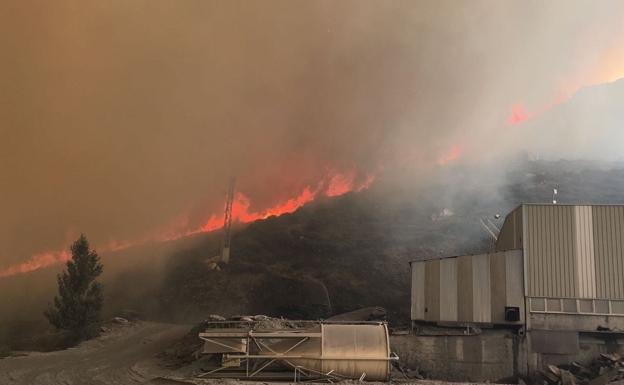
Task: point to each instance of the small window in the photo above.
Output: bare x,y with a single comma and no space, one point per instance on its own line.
617,307
553,305
602,306
586,306
569,306
537,304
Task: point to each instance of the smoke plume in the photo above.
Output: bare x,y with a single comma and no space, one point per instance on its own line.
126,119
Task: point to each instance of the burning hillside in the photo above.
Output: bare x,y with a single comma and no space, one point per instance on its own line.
335,185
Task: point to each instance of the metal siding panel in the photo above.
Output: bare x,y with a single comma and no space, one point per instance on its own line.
550,251
539,253
432,290
608,253
542,252
608,229
532,273
559,262
545,238
618,230
612,259
464,289
510,236
520,227
579,250
618,235
481,288
619,213
448,289
608,247
497,286
539,268
600,253
613,252
529,249
514,291
571,273
418,291
584,252
562,265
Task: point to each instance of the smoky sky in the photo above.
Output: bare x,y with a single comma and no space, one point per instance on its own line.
118,118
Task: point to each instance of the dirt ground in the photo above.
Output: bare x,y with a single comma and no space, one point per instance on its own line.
125,354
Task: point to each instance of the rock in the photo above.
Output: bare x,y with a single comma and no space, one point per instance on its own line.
120,320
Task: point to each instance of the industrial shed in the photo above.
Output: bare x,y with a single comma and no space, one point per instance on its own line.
551,291
573,257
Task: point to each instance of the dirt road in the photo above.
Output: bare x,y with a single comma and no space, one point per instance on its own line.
123,355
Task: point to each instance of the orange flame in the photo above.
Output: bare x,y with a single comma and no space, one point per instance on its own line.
338,184
518,114
37,262
454,153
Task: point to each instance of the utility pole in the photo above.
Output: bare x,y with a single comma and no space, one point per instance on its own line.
227,224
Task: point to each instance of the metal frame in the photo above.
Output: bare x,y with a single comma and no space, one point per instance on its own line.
259,360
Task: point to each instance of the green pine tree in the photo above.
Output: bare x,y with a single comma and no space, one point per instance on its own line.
77,307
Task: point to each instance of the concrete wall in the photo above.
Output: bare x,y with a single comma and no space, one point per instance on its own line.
487,356
561,347
497,354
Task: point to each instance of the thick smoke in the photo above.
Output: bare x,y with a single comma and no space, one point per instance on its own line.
122,118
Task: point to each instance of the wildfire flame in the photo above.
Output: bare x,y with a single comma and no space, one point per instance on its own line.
518,114
335,184
454,153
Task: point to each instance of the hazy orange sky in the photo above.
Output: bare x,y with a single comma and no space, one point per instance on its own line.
120,118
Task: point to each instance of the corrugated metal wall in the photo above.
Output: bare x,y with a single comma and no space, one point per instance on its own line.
567,252
448,289
574,251
470,288
481,288
549,249
432,290
584,252
608,226
465,297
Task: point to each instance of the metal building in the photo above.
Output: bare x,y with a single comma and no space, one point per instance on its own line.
573,256
556,276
